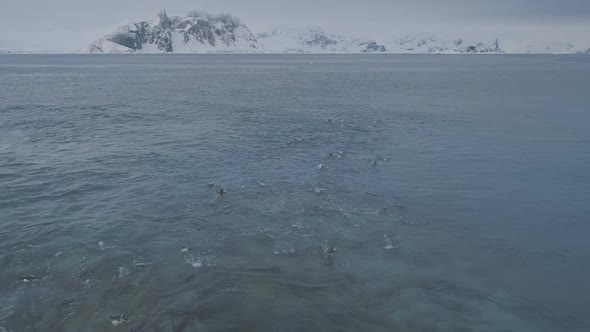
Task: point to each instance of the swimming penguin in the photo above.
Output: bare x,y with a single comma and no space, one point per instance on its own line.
210,184
331,250
329,254
117,320
28,279
373,162
221,191
321,167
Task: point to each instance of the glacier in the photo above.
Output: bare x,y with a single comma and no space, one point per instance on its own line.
315,41
429,44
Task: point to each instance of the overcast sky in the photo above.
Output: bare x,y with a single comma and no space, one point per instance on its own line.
71,24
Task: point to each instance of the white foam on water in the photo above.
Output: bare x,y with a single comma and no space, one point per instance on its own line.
189,258
389,243
284,251
101,246
116,321
194,262
66,318
140,262
124,271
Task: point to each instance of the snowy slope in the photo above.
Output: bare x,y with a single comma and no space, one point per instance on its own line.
429,44
315,40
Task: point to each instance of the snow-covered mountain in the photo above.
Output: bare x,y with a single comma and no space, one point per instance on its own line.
199,32
204,33
315,40
428,44
195,33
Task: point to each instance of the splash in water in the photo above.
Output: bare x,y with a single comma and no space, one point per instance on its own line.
189,258
101,246
389,243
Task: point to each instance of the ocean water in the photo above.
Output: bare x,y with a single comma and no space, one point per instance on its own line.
361,193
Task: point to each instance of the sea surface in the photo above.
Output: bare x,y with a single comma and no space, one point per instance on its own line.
361,193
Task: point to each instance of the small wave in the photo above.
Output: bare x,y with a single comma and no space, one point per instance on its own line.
124,271
139,262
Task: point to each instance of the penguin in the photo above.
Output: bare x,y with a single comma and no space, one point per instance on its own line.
329,254
117,320
28,279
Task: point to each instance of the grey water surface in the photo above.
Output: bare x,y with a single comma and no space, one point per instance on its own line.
361,193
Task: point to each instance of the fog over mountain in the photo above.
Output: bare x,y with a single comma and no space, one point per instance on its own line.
71,25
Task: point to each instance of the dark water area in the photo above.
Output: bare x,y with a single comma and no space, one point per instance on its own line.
361,193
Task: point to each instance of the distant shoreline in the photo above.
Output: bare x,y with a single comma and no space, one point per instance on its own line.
288,54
